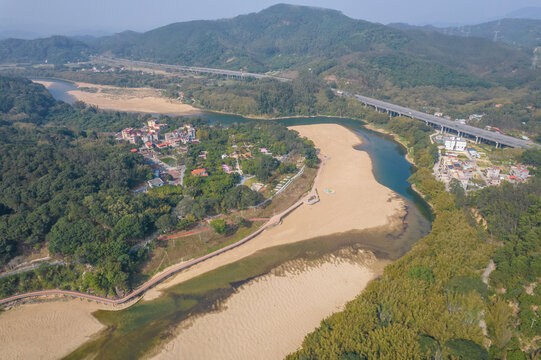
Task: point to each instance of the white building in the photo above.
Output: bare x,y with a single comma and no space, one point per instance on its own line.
156,182
454,143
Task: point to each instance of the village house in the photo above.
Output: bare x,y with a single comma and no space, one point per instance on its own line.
199,172
493,175
156,182
520,172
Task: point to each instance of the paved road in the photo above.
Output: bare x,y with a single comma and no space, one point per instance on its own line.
461,129
275,220
195,69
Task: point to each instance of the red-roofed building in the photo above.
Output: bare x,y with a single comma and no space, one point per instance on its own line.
520,172
133,150
200,172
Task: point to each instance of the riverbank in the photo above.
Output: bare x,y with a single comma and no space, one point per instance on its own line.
395,137
143,100
261,117
47,330
350,198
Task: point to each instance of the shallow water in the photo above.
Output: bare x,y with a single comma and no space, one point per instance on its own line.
59,89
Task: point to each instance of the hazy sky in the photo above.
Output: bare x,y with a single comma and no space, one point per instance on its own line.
76,16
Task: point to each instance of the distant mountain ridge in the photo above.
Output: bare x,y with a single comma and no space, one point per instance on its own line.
55,49
291,37
513,31
530,12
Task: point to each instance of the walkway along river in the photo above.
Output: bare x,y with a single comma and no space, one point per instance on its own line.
161,277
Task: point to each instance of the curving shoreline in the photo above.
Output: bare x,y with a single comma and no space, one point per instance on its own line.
143,100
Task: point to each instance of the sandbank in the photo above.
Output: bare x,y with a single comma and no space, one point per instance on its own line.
47,330
269,317
144,100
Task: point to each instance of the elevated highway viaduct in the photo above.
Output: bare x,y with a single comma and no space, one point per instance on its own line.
446,126
182,68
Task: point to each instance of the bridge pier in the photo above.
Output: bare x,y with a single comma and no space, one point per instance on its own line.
477,139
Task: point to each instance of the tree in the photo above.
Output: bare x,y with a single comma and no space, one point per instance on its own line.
80,105
165,223
219,225
129,227
66,236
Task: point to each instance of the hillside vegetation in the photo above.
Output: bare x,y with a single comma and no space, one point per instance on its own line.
68,186
53,50
517,32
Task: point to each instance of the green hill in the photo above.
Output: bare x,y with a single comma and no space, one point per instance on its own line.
296,37
516,32
54,50
279,37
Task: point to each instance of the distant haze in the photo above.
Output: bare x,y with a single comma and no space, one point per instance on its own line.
31,18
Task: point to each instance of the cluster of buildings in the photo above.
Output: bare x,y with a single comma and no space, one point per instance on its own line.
451,167
150,135
463,163
517,174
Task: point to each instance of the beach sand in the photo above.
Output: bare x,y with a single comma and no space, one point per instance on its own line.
47,330
269,317
144,100
357,202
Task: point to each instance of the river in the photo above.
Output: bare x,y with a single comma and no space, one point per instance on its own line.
137,330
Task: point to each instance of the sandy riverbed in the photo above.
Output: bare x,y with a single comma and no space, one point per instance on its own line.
145,100
46,330
357,202
268,317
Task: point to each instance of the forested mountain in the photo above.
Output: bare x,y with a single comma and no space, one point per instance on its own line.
290,37
278,37
53,50
285,36
516,32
